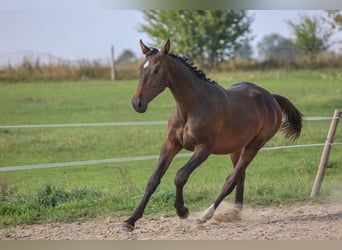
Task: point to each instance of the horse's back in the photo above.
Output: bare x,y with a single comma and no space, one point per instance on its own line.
256,105
247,88
247,93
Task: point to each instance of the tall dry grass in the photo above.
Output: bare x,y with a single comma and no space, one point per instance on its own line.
324,60
34,71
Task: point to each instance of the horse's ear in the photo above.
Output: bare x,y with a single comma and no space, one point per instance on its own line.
166,48
144,48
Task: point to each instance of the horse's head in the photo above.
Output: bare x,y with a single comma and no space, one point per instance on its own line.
153,76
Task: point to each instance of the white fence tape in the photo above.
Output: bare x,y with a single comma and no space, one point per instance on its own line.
117,160
117,124
130,159
82,163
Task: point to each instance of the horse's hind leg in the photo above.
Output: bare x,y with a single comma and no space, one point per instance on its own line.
240,186
239,183
236,178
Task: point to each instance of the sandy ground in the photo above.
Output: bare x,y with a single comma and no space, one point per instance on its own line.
303,221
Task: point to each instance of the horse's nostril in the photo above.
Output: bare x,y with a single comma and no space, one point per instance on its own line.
139,105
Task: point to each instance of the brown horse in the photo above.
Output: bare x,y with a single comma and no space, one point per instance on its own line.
208,119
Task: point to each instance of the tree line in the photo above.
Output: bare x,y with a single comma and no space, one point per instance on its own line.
210,37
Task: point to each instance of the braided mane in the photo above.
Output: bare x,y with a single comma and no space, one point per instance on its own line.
198,72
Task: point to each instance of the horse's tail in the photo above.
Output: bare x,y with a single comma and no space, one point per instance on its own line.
292,118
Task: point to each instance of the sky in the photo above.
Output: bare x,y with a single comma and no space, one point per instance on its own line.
89,34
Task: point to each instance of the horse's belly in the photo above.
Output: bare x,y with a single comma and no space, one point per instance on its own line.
231,143
219,139
218,146
227,148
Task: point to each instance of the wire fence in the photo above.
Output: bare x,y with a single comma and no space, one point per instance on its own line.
127,159
117,124
103,124
131,159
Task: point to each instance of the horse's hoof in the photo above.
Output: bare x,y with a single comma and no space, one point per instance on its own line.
200,221
184,214
127,227
208,214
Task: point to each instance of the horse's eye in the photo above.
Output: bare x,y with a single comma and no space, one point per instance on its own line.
155,71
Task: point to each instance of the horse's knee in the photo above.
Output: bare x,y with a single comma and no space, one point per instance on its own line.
180,179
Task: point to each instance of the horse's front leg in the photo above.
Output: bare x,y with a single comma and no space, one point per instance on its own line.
167,153
199,156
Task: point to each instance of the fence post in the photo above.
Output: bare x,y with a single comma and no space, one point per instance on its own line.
326,152
112,64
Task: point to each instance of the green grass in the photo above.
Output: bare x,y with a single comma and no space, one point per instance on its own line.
275,178
72,102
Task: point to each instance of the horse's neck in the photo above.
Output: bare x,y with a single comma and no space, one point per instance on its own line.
187,89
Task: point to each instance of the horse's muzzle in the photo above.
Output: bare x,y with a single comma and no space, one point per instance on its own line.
139,105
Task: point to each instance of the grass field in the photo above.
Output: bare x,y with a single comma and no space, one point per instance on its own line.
277,177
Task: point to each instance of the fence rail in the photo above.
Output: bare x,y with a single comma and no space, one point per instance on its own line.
118,124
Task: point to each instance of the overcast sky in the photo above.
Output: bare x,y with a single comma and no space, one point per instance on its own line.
77,34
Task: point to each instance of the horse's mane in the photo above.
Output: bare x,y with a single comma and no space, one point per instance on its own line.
198,72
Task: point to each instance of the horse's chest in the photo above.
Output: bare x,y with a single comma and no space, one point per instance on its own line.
186,136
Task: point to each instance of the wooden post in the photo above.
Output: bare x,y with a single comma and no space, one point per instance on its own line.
112,64
326,152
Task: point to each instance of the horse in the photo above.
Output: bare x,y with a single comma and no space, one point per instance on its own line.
208,119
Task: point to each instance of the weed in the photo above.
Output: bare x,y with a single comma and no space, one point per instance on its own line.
51,196
49,203
5,189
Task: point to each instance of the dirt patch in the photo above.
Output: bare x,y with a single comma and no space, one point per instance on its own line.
304,221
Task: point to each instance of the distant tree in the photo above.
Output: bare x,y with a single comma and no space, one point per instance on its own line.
244,51
335,17
276,46
312,35
126,56
208,36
